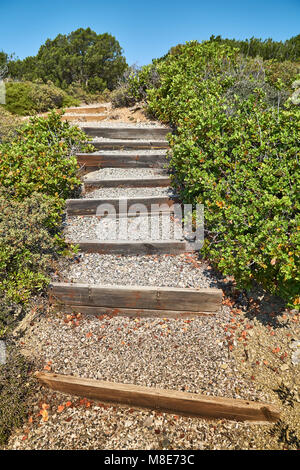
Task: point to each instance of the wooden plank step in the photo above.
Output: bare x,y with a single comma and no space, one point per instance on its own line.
132,247
156,181
206,300
87,110
94,161
83,118
114,132
190,404
116,144
90,206
130,312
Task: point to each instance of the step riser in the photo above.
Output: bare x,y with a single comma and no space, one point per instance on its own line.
92,161
90,206
81,118
99,109
127,145
132,248
126,133
129,312
136,297
142,183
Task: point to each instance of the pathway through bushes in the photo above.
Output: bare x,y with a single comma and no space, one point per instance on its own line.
247,350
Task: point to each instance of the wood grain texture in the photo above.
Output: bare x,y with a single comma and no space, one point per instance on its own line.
151,133
87,110
116,144
137,297
130,312
190,404
94,160
83,117
154,182
90,206
146,247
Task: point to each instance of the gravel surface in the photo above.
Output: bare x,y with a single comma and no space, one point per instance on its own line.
75,423
187,355
125,173
150,270
109,193
125,125
156,227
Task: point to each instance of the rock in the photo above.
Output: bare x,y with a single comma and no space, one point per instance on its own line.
2,352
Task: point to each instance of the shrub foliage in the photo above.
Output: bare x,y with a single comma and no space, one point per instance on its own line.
37,172
25,98
235,152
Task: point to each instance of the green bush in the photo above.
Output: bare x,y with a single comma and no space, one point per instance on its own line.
38,171
238,156
25,98
27,244
83,96
15,387
134,85
8,125
42,158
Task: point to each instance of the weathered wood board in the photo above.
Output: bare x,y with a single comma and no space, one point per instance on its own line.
144,133
93,161
90,206
146,247
154,182
137,297
172,401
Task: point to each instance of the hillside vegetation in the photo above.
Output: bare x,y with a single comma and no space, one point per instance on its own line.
235,149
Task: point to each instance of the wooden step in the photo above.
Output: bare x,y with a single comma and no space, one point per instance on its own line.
116,144
89,206
132,247
172,401
154,182
113,132
94,161
83,118
87,110
164,299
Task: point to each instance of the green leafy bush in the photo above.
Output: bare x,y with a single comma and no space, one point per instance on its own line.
27,244
8,124
26,98
83,96
38,170
42,158
237,154
134,85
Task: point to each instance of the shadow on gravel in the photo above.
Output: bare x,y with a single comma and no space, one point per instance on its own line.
256,303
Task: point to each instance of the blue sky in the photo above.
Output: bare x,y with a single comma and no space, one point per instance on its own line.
145,29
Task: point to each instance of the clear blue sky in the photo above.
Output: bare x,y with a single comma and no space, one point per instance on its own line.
145,29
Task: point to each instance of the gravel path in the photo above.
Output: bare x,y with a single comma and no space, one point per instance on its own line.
75,423
150,270
190,355
187,355
156,227
125,125
125,173
109,193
